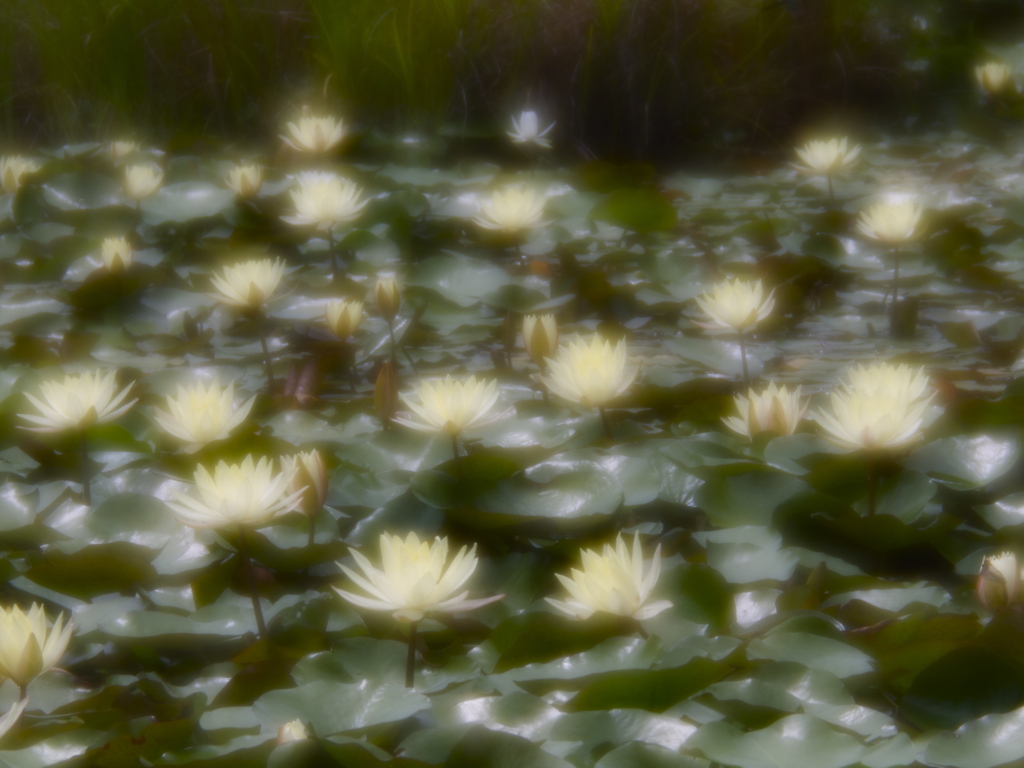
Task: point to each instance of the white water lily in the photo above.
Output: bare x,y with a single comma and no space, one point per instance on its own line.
450,406
613,582
827,158
325,199
29,644
199,414
245,179
14,170
775,409
526,130
315,134
142,180
77,402
116,253
994,76
590,373
249,284
511,210
737,305
414,579
892,221
249,493
878,420
894,380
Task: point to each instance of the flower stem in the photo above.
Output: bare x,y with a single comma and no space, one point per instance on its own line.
312,530
250,577
642,632
872,486
266,353
831,192
410,659
604,422
394,349
458,457
86,484
896,280
743,357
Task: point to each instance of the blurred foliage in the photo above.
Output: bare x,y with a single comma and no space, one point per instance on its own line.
661,78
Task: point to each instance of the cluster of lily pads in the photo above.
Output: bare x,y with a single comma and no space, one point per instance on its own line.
790,546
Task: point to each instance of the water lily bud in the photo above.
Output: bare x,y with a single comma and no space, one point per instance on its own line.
993,77
387,297
121,149
245,180
310,479
999,581
14,170
540,337
385,393
293,731
116,253
142,180
343,317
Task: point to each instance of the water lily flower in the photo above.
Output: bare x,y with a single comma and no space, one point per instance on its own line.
994,77
325,199
201,414
116,253
540,336
451,406
875,421
343,317
315,134
613,582
590,373
14,170
775,409
250,284
895,380
29,644
737,305
892,221
526,130
141,181
294,730
77,403
387,297
245,179
414,579
309,477
827,157
512,210
249,493
121,149
999,581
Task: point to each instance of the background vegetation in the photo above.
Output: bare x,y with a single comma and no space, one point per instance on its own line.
642,78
